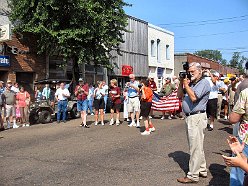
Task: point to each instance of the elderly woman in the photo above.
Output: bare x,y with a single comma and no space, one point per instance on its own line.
23,100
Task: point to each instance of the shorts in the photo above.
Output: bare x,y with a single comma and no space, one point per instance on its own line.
10,110
133,104
115,106
145,108
82,105
224,102
99,104
212,107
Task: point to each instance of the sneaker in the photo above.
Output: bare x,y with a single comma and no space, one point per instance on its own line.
128,119
23,125
145,133
218,117
15,126
27,125
86,126
117,122
225,118
162,118
152,129
138,124
92,114
141,117
8,126
132,124
111,122
102,123
96,123
150,117
169,117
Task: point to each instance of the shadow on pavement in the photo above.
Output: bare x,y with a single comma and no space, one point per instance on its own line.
225,122
182,159
229,130
220,175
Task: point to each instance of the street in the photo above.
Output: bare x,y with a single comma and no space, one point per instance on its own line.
66,154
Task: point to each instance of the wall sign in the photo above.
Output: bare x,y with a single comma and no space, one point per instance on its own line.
160,72
127,70
4,61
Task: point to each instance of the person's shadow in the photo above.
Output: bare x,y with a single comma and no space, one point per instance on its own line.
182,159
220,175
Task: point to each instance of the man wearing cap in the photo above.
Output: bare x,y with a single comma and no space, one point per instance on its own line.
195,97
221,90
213,97
81,92
166,90
10,97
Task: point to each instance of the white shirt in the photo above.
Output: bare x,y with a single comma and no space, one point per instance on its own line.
214,89
226,87
105,87
59,92
14,89
99,92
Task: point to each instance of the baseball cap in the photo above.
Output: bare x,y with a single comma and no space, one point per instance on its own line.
80,79
216,74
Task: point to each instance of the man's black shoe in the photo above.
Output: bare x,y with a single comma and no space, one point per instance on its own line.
210,129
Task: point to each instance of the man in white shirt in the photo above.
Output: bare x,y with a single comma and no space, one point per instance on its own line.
61,95
213,98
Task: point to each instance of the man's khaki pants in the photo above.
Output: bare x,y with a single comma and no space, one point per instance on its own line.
196,125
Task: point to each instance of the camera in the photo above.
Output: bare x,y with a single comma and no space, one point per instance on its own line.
185,74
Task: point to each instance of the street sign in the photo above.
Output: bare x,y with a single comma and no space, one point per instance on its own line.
4,61
5,32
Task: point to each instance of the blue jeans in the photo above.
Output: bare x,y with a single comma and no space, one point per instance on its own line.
90,105
237,175
62,108
105,101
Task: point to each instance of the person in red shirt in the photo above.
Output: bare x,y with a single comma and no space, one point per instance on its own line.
153,86
145,107
114,94
23,100
81,92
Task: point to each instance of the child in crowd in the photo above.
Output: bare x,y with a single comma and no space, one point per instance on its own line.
145,107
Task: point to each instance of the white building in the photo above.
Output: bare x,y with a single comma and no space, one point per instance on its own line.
160,54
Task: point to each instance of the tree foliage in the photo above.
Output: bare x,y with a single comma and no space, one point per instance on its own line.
238,61
210,54
83,30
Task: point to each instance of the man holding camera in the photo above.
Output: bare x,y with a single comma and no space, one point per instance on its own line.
195,97
133,104
81,92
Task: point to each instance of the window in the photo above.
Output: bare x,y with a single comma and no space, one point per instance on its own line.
167,52
152,48
158,50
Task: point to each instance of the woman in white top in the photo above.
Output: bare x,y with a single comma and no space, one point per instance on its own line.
99,103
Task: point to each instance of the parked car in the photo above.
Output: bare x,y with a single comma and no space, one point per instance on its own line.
42,111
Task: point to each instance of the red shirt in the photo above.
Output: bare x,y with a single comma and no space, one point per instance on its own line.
114,91
81,96
21,97
152,85
148,94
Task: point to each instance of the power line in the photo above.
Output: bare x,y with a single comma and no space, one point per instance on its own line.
202,24
234,48
214,34
204,21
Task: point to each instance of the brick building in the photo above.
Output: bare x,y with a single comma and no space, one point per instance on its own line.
206,64
20,63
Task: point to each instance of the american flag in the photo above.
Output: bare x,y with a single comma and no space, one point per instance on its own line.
166,103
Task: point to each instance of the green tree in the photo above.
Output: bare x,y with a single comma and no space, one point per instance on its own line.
85,31
210,54
238,61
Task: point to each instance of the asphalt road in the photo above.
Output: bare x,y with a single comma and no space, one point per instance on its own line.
66,154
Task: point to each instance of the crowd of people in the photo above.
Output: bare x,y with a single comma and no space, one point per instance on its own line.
203,96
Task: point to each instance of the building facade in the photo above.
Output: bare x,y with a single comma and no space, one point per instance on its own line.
206,64
134,53
160,54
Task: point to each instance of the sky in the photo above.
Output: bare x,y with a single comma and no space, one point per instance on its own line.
199,24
